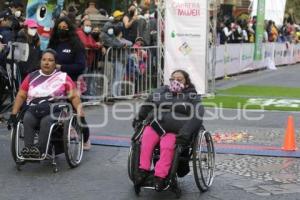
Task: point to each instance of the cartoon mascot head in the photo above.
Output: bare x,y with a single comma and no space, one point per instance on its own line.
44,12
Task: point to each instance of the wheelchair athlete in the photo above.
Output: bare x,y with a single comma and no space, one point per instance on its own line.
37,89
181,115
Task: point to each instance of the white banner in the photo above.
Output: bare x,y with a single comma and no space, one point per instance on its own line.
237,58
186,40
274,10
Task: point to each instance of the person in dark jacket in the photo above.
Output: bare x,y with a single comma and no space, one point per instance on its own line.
70,50
174,113
5,24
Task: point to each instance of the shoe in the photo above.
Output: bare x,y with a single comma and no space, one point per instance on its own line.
87,145
25,152
159,184
141,176
34,152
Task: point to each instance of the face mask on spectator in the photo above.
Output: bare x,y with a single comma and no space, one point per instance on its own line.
18,14
110,31
95,35
62,33
87,29
132,12
175,86
31,31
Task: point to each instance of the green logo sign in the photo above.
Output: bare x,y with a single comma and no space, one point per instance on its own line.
173,34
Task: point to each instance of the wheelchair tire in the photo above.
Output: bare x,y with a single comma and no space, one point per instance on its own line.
203,156
129,165
73,142
15,141
133,160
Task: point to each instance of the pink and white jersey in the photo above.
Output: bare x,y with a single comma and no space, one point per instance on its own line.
38,85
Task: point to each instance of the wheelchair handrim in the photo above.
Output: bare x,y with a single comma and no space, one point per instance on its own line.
206,179
70,156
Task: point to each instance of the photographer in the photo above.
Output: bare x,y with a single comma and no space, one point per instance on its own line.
130,21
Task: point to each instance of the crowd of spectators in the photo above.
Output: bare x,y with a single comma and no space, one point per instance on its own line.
231,30
77,36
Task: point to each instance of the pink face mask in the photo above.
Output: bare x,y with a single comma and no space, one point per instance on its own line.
175,86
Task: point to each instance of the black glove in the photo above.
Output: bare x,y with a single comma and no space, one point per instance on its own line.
182,139
136,124
12,121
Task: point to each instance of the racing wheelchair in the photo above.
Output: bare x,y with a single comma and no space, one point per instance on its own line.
200,151
65,136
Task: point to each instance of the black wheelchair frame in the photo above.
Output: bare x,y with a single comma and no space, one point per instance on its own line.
60,140
201,153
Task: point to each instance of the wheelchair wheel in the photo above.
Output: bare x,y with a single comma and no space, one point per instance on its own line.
73,142
203,160
129,164
133,160
17,144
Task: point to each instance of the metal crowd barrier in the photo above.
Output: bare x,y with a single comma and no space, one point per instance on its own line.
130,72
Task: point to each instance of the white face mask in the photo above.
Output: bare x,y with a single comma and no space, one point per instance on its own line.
87,29
31,31
110,31
18,14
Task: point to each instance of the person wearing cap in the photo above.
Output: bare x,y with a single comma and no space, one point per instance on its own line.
5,24
116,22
91,9
29,35
6,35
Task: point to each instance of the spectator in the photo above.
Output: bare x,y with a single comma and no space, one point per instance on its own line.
29,35
96,33
86,38
225,32
116,22
251,33
69,48
108,35
237,35
110,39
144,26
272,31
91,10
91,46
153,30
244,31
130,21
72,12
5,24
16,9
6,35
119,35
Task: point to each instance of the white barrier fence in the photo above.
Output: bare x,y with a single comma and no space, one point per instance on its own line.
237,58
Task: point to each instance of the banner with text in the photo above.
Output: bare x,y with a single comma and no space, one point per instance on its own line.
186,40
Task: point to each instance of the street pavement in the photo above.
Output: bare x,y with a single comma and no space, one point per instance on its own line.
103,172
